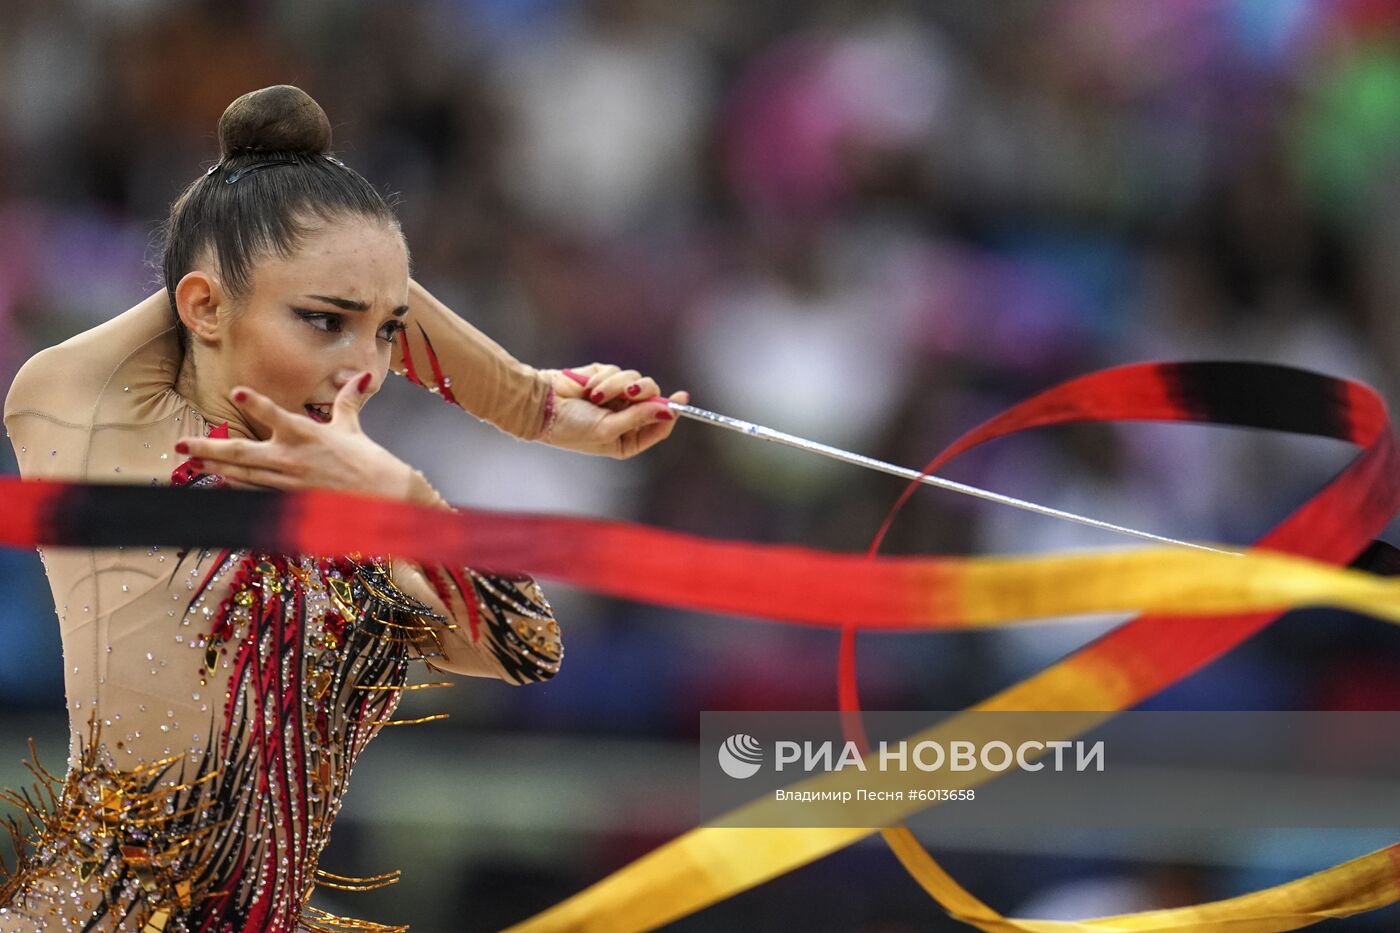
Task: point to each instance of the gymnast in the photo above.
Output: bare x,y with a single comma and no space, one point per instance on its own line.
218,699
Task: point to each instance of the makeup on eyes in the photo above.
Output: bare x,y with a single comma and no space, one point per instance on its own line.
334,323
330,318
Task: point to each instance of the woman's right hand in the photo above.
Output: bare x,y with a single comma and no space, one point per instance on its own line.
300,453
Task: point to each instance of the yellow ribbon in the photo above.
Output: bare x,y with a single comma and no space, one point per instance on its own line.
709,864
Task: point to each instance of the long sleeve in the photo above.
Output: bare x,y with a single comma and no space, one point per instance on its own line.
495,626
119,375
451,358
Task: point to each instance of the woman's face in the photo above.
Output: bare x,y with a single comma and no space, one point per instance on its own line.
313,322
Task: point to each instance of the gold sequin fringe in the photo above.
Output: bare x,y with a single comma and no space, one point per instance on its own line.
352,883
401,722
96,811
314,920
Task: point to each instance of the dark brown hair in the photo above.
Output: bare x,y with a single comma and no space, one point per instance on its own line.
275,180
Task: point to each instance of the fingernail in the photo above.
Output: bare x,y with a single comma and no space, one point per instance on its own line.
196,463
664,415
633,389
580,378
240,396
596,398
182,448
364,383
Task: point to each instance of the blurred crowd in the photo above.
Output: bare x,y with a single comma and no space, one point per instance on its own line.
871,223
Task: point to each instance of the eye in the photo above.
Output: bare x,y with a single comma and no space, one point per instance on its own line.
390,330
321,320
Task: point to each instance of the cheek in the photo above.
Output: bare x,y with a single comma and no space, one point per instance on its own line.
279,362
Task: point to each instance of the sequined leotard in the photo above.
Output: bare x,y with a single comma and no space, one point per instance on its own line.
218,700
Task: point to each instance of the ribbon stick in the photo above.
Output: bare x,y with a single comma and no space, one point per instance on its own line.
749,429
759,432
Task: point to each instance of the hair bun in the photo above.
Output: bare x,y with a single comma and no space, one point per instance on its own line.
281,118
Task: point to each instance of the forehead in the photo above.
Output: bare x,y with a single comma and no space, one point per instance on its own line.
357,259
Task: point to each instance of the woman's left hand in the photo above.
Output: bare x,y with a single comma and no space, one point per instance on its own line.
605,410
300,453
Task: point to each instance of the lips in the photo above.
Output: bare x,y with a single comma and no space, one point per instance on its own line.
321,413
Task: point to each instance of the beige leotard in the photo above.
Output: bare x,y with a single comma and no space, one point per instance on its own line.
218,699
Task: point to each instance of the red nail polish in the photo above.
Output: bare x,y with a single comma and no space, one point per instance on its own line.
196,464
240,396
664,415
596,398
633,389
364,383
580,378
182,448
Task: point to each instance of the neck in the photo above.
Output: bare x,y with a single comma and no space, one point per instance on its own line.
210,397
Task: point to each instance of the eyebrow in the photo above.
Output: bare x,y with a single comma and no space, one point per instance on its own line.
347,304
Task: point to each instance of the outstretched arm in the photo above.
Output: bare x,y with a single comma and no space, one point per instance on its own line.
609,411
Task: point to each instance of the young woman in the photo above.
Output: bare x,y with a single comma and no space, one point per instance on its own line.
219,699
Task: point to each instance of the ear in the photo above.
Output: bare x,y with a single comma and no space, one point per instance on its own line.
198,297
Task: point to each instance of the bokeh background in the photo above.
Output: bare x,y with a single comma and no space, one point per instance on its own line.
874,223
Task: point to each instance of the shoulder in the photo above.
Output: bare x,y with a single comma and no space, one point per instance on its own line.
137,348
33,382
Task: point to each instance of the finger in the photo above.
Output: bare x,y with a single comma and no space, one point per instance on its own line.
241,484
616,425
264,412
585,371
575,381
681,398
597,373
253,475
646,437
612,387
345,410
228,450
568,383
639,390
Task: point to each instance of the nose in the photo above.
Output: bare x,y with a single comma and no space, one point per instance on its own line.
362,357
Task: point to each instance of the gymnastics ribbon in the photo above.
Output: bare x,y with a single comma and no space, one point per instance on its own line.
1136,656
782,584
1113,673
1227,598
